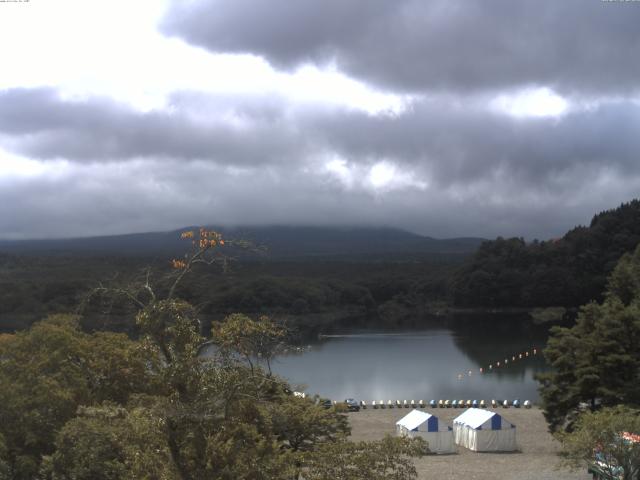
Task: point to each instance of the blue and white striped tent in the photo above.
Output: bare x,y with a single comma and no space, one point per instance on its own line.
438,435
484,431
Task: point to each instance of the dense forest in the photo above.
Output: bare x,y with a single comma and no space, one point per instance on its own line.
103,406
591,394
324,284
569,271
312,277
312,293
596,362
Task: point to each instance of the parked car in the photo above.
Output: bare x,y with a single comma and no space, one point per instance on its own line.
352,405
326,404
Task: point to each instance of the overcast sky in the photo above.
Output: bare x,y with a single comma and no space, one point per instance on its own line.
443,117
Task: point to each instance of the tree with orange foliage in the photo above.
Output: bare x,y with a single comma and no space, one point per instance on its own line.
205,248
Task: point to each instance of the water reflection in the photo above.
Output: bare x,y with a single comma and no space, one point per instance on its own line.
416,365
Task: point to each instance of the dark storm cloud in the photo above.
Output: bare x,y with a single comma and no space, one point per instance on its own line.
39,124
150,195
455,145
463,169
443,144
582,47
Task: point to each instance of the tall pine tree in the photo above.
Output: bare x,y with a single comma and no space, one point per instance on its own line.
597,361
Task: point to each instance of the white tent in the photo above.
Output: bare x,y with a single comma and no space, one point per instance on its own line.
421,424
484,431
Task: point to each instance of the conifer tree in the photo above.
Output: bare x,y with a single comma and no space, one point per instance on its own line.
597,361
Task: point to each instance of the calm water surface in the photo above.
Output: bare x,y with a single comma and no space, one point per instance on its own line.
426,364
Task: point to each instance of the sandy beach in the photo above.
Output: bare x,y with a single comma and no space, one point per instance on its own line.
536,460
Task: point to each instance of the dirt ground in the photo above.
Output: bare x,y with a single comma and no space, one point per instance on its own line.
536,460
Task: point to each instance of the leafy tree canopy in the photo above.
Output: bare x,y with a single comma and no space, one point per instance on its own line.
46,373
603,437
103,406
597,361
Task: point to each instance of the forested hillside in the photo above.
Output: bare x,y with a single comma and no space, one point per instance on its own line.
327,285
569,271
311,275
306,291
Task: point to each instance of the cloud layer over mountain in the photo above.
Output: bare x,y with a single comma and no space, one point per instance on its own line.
446,118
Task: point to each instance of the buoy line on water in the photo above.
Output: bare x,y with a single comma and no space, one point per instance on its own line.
533,351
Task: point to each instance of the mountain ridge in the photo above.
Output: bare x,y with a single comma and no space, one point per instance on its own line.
281,241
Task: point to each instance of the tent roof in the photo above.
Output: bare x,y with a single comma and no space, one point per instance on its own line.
414,419
474,417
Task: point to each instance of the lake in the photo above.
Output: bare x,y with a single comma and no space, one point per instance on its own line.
442,363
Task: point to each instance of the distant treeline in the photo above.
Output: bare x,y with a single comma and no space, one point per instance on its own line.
569,271
314,292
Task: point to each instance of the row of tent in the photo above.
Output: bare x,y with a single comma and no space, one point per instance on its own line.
476,429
